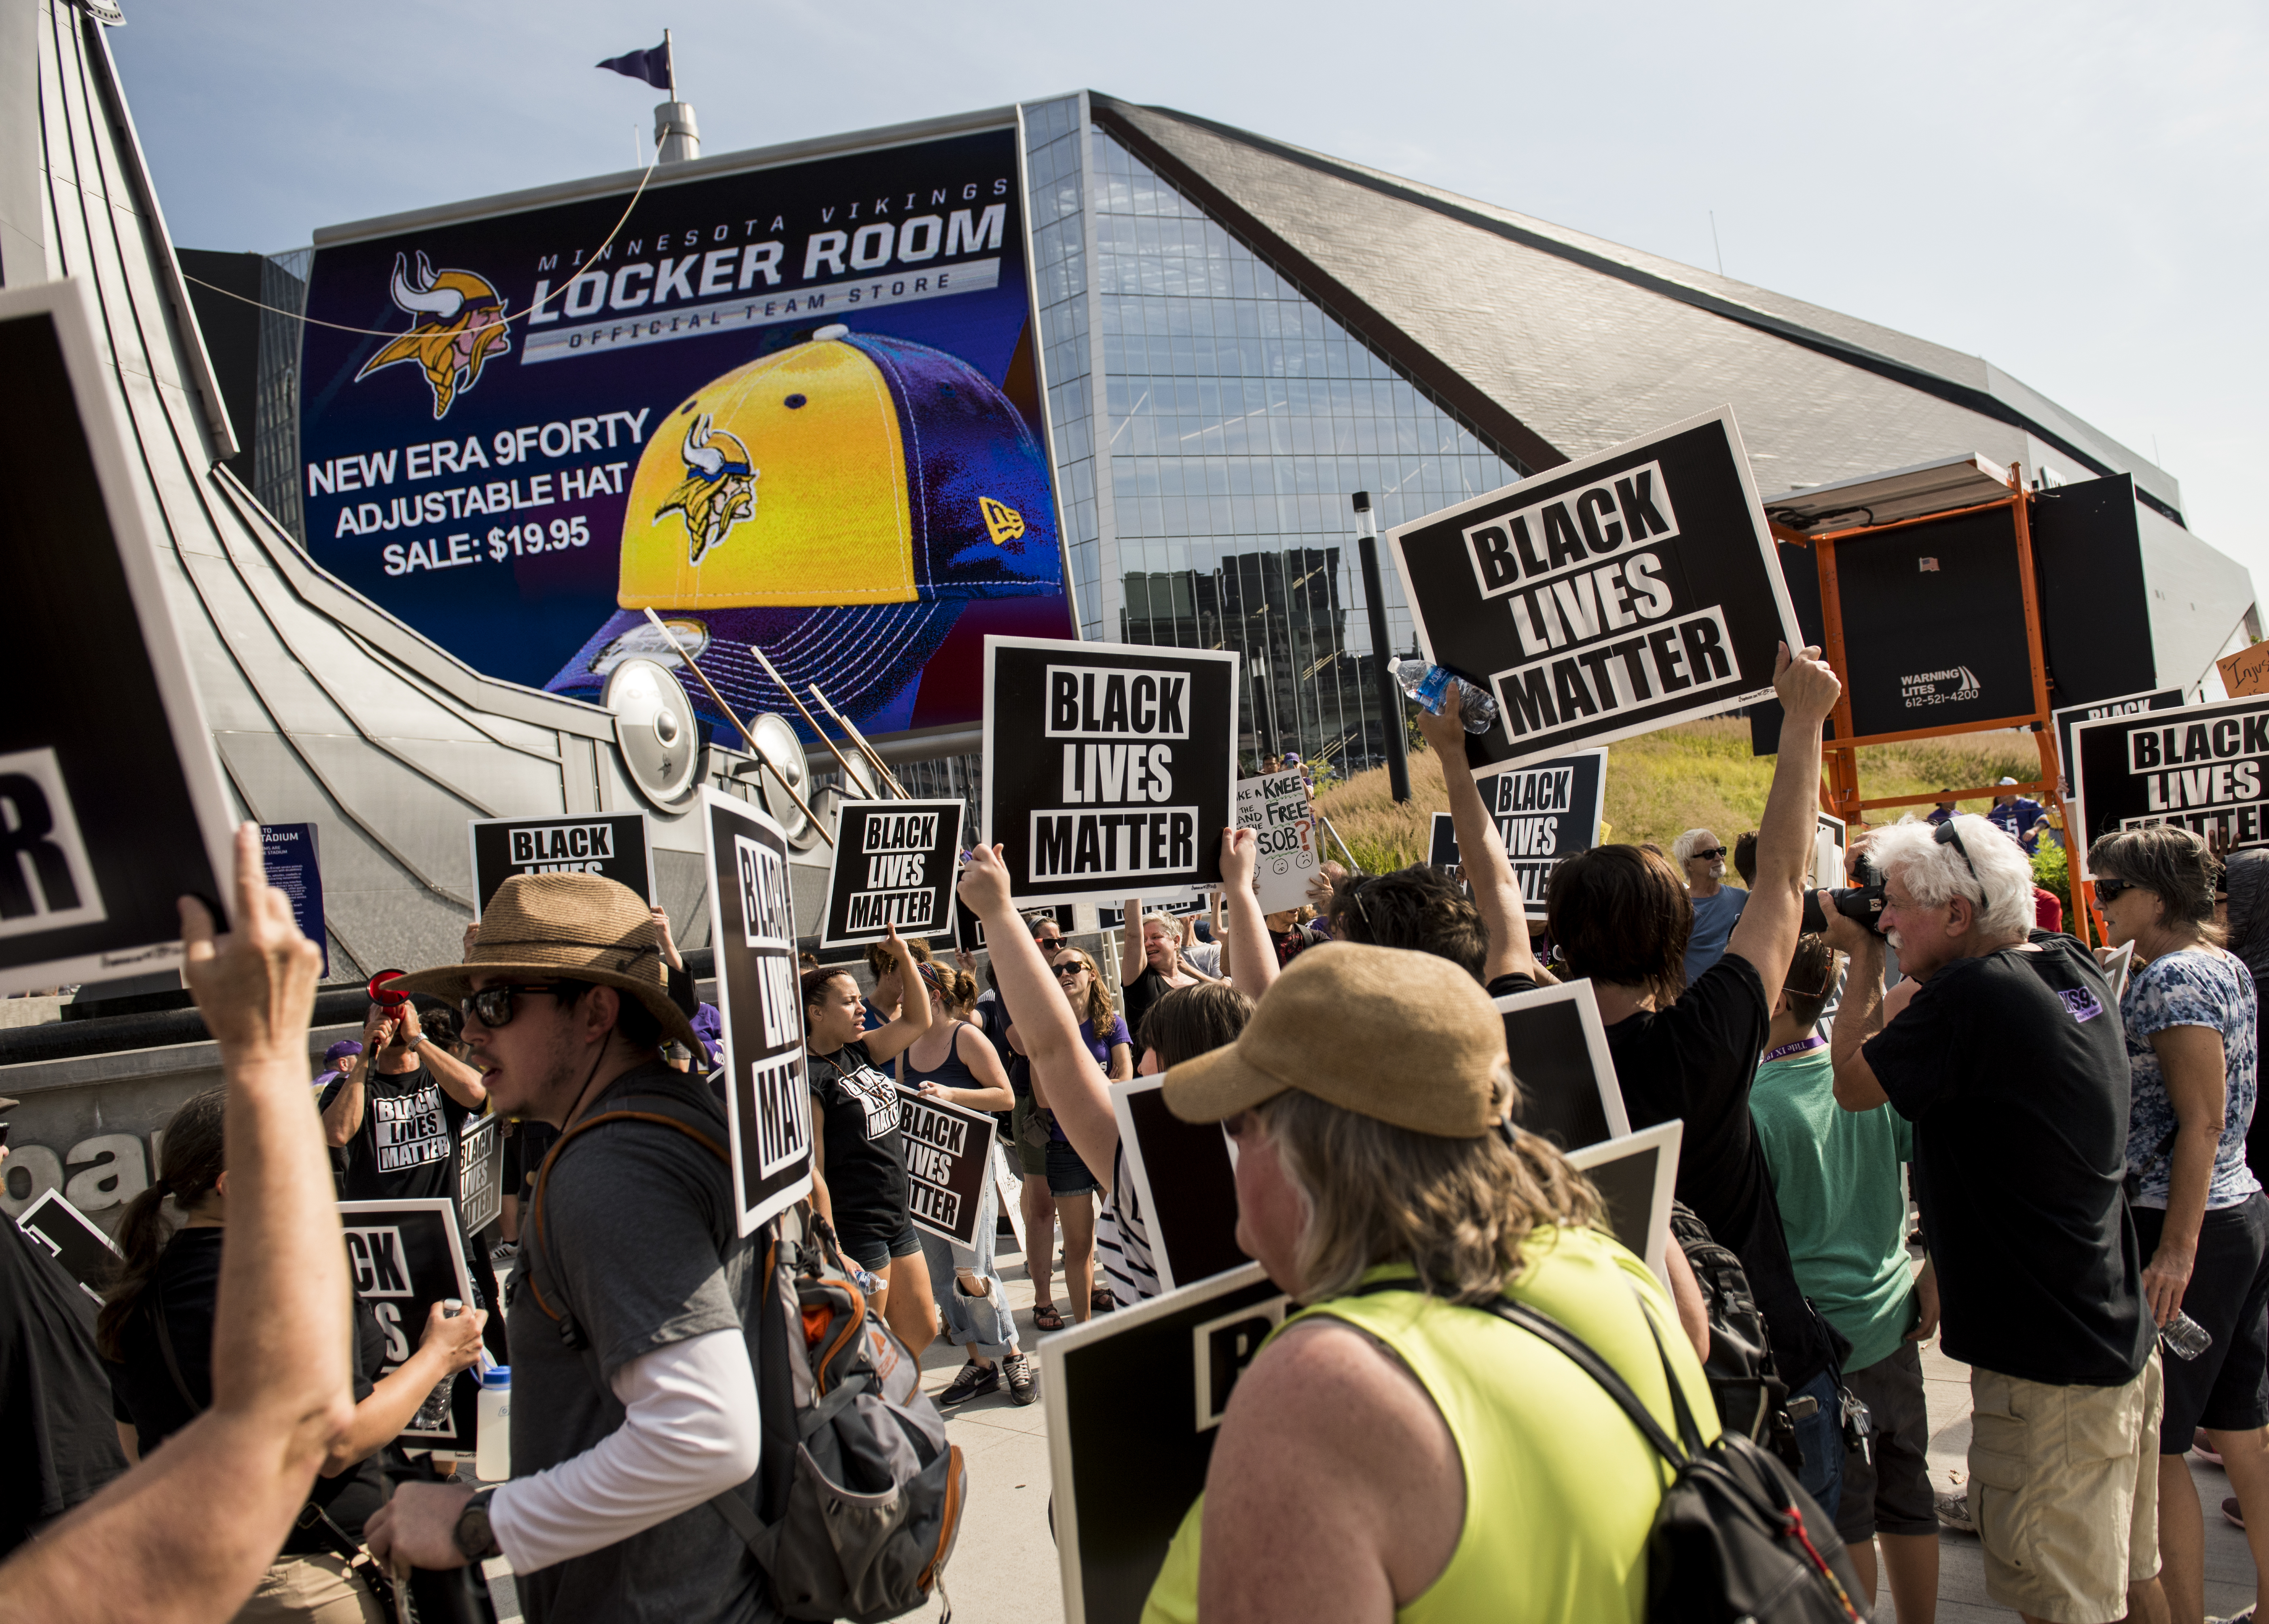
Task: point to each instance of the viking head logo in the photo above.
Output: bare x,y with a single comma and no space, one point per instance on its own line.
460,322
720,488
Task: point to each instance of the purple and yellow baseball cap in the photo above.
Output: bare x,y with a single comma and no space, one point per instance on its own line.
838,503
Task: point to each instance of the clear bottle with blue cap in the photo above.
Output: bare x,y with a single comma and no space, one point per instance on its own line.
492,1455
1430,686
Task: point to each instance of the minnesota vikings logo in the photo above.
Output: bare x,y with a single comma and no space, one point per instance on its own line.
462,323
720,488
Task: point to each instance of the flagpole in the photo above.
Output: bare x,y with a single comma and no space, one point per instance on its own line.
669,62
755,749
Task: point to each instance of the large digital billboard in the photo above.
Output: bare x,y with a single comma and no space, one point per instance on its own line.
795,405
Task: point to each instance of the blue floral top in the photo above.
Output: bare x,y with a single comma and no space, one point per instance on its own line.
2194,987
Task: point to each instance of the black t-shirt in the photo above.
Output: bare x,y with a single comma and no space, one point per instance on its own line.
188,1283
1511,982
2013,1066
1136,999
866,1167
55,1395
1696,1060
406,1148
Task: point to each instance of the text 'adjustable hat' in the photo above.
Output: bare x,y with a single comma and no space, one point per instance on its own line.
835,503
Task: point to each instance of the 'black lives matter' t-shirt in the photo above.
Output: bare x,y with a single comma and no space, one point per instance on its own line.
1696,1060
2012,1067
866,1167
407,1149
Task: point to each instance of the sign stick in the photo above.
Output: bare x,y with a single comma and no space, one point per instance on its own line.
754,750
849,775
859,739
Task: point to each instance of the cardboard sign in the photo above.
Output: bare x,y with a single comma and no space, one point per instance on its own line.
404,1256
1109,767
611,844
2245,673
111,800
752,925
2203,766
480,1173
288,850
948,1151
1134,1399
1829,837
88,1255
2096,710
1276,805
1606,598
1567,1091
895,864
1184,1184
1635,1176
1547,812
969,930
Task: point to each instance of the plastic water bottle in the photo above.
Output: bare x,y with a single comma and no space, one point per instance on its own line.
492,1460
1430,686
2185,1337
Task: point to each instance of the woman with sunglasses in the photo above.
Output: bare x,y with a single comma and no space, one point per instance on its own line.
1104,1037
1150,962
857,1162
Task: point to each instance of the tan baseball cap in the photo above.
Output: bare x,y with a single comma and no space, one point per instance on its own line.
1399,1037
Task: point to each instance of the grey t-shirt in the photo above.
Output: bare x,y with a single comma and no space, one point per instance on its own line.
636,1217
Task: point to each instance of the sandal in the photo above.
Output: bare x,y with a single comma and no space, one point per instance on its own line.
1047,1316
1100,1301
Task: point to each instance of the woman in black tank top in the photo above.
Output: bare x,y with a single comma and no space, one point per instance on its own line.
955,1063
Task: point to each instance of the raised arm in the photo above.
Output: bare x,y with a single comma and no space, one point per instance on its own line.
1773,917
885,1042
1252,966
186,1533
1133,961
343,1117
1065,1079
460,1081
1480,849
450,1344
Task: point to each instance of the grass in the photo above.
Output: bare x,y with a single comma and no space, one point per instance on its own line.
1697,775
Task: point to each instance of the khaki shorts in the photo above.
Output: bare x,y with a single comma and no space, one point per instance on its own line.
310,1590
2064,1487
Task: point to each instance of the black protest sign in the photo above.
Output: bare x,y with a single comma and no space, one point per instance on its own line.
2096,710
1635,1176
2200,767
402,1258
88,1255
111,800
895,863
1546,812
1567,1091
1184,1184
969,930
480,1173
1109,768
752,927
948,1151
1134,1398
1606,598
613,845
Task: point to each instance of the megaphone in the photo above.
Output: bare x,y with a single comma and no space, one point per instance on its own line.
383,994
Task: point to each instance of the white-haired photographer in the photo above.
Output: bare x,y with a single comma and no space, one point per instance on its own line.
2003,1046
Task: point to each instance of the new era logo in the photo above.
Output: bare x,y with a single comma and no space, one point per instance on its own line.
46,882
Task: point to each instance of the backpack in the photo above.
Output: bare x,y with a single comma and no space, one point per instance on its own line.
860,1496
1752,1399
1736,1538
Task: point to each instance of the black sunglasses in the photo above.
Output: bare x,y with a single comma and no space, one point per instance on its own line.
492,1006
1707,853
1947,835
2108,889
1074,969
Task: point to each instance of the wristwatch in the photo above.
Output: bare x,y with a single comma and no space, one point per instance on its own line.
473,1536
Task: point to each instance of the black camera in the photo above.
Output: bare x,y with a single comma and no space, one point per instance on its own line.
1863,901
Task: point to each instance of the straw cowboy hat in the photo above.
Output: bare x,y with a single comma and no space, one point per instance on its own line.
567,927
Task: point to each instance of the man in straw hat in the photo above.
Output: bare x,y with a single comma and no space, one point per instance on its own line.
634,1398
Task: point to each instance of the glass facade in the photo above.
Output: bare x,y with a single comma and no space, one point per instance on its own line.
1211,423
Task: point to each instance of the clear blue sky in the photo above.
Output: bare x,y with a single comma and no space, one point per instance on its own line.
2076,191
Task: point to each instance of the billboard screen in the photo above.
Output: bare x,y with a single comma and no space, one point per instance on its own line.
796,406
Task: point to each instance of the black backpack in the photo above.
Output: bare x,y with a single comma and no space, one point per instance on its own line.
1752,1398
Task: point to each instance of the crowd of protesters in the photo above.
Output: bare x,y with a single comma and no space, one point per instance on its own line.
220,1438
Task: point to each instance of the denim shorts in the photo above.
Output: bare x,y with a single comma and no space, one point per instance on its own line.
873,1249
1067,1175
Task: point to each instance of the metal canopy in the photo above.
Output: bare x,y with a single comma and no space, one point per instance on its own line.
1913,492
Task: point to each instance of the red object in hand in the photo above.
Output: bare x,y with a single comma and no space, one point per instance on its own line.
382,994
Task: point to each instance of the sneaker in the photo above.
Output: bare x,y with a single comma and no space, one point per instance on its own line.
2229,1509
503,1252
971,1380
1023,1385
1953,1510
2245,1617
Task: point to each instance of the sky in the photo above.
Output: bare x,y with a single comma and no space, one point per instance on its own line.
2075,191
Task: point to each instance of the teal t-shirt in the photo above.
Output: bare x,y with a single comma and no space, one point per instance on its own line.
1835,1175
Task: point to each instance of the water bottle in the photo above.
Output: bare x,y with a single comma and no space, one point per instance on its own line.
1429,684
2185,1337
492,1460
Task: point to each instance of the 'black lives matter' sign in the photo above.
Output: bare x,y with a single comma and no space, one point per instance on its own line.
752,925
613,845
1545,813
88,1255
894,866
480,1173
1108,767
949,1152
2096,710
1606,598
2202,767
404,1256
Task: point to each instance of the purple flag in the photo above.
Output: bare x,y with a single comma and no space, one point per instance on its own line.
652,66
